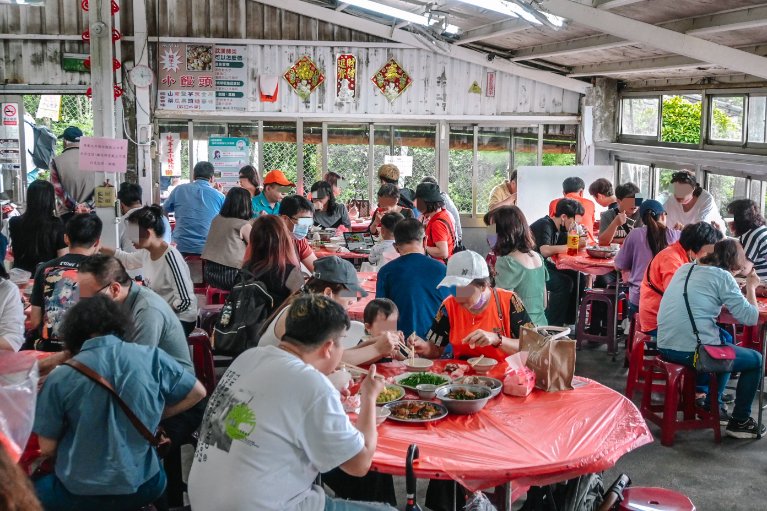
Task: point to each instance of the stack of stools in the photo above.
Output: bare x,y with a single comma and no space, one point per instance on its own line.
678,389
654,499
610,297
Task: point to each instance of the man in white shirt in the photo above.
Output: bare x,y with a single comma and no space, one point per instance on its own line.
275,422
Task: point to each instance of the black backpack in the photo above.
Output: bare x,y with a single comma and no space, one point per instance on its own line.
248,306
44,146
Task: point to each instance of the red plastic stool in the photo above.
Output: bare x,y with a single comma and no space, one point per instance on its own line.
590,297
202,359
654,499
197,272
215,296
644,350
678,395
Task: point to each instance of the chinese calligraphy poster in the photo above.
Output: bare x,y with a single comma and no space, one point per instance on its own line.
186,78
170,154
346,78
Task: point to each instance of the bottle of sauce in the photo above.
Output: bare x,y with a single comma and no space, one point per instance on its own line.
573,241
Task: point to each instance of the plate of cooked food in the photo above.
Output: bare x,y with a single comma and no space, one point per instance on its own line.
416,411
390,394
412,380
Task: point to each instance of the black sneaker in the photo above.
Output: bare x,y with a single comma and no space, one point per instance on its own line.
728,398
724,417
745,429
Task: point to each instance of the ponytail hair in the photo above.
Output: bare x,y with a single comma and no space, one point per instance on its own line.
149,217
656,232
727,255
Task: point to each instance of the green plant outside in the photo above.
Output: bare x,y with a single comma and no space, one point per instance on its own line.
681,121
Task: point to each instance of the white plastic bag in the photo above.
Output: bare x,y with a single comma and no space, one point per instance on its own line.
479,502
18,396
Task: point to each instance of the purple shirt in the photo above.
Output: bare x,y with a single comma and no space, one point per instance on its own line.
635,255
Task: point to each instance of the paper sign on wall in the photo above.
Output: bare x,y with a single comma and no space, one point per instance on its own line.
228,155
403,163
231,77
10,148
50,107
346,77
170,154
490,88
101,154
186,77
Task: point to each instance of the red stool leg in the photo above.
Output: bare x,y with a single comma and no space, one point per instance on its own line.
670,407
713,391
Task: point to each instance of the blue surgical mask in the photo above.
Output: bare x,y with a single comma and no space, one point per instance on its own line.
301,229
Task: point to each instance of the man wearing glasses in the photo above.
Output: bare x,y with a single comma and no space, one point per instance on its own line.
298,214
690,203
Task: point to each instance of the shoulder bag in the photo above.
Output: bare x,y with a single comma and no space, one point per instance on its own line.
159,440
709,358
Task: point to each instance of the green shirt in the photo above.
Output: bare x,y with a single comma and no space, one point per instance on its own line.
529,284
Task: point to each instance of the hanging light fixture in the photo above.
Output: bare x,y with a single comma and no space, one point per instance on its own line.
410,17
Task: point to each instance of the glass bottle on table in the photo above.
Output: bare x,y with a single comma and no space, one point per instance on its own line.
573,240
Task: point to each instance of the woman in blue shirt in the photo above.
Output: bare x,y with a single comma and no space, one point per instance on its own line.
102,461
710,286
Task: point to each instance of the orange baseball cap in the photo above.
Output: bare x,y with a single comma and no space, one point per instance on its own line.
277,177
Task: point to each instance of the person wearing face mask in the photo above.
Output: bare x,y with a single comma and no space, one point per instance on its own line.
550,233
298,214
690,203
227,239
328,213
695,242
479,319
519,267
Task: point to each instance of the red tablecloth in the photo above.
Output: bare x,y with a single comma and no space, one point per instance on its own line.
360,226
368,281
324,252
537,440
584,263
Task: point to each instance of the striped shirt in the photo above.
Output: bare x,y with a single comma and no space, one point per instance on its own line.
755,244
167,276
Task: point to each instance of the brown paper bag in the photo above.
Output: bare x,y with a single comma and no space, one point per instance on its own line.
551,356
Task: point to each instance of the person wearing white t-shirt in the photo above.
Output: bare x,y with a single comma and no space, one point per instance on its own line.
275,422
690,203
11,314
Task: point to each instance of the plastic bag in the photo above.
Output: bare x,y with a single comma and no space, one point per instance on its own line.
520,379
479,502
18,397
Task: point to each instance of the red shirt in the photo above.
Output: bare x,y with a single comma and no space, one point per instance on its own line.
660,269
303,248
588,215
440,228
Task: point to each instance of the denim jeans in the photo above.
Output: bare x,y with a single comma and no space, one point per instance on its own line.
332,504
747,361
55,497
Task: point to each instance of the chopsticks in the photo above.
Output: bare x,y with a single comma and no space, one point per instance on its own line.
481,357
360,370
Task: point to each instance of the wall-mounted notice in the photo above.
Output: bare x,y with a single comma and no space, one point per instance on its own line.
228,155
170,154
231,77
186,77
101,154
403,163
10,148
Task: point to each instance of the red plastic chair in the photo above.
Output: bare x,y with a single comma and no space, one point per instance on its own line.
652,499
197,272
641,355
202,358
678,395
215,296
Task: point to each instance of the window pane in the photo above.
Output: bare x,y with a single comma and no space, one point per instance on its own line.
202,132
460,167
639,116
725,189
757,193
559,144
249,130
757,119
727,118
348,149
637,174
663,189
279,146
525,147
417,142
681,119
493,160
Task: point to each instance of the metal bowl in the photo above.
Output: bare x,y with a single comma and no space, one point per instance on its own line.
602,252
495,385
464,406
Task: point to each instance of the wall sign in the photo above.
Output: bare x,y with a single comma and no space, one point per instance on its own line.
403,163
228,155
490,88
10,146
50,107
392,80
186,77
170,154
101,154
231,77
346,77
304,76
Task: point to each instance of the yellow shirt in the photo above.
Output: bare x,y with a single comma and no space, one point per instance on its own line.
499,194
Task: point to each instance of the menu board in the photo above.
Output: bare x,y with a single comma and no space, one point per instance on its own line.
10,148
186,77
231,77
228,155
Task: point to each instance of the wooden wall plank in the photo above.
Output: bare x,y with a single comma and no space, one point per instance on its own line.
200,19
52,18
271,23
236,28
290,26
254,23
219,15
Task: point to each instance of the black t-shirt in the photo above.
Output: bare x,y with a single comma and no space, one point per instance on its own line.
55,291
25,254
545,232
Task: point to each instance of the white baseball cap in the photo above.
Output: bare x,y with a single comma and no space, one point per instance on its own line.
463,268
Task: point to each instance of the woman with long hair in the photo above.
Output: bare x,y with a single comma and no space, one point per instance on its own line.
227,240
37,235
641,245
518,266
748,225
697,292
272,258
162,266
251,181
328,213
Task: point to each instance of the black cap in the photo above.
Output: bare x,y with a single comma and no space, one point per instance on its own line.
339,271
428,192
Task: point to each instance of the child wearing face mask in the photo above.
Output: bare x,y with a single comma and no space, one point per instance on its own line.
384,251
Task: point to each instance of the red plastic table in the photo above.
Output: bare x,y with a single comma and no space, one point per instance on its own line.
324,252
368,282
532,441
360,225
584,263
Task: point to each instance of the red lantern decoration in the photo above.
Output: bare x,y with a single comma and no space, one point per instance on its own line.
84,5
115,7
87,62
86,35
116,35
118,91
89,93
116,65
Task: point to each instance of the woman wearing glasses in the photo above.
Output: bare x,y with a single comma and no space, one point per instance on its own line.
690,203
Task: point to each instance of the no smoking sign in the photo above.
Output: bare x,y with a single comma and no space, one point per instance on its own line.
9,111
